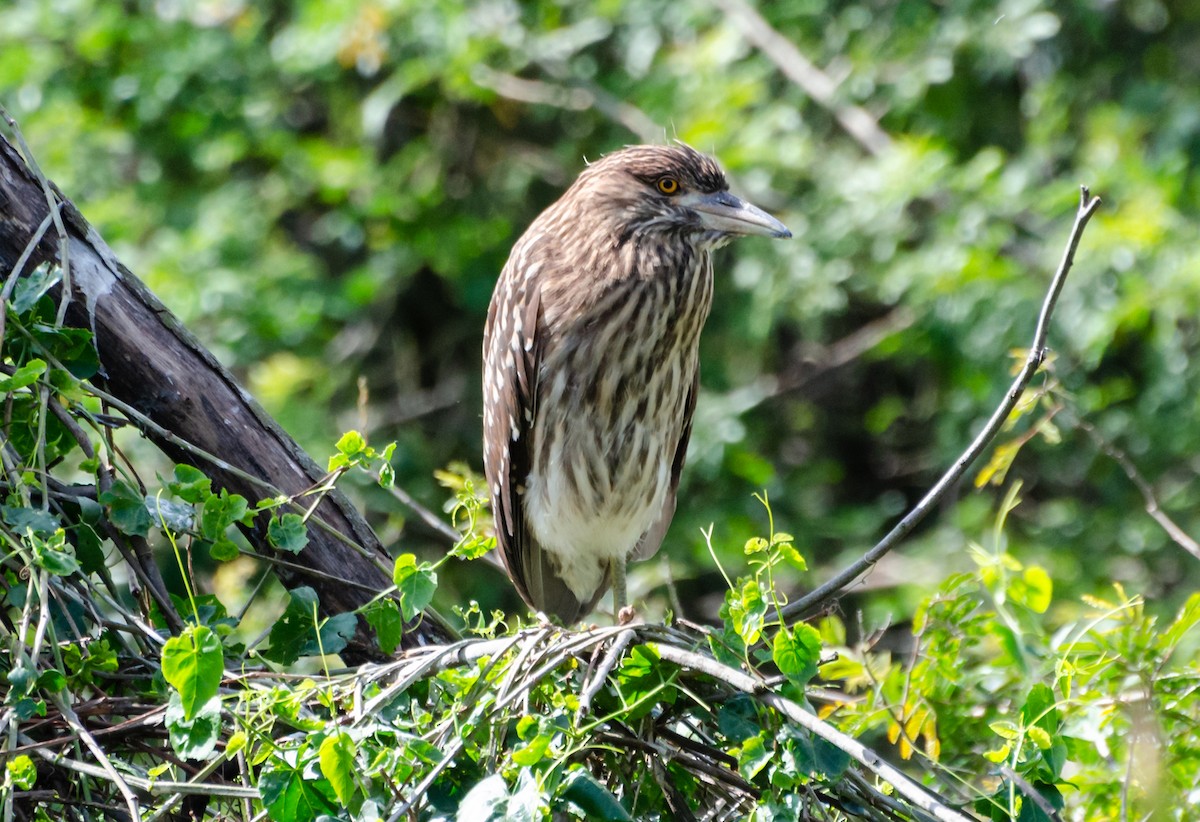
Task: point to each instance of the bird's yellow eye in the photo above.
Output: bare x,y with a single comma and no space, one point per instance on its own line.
668,185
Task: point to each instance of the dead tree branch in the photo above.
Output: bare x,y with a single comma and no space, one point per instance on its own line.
185,401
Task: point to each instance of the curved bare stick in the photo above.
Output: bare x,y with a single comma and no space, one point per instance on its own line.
1037,353
855,120
1109,448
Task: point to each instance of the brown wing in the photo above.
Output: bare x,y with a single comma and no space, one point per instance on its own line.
512,362
652,539
511,358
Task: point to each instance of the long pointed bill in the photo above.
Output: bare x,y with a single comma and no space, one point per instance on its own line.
723,212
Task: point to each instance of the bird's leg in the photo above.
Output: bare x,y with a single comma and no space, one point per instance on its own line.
616,568
623,611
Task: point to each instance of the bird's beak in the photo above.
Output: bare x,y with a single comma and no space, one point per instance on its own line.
723,212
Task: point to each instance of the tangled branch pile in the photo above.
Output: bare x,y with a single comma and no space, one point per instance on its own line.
120,721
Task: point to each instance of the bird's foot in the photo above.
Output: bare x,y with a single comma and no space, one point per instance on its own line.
626,615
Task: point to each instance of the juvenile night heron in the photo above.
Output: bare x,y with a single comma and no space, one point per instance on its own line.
591,368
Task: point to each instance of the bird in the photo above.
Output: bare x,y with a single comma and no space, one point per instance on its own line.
591,369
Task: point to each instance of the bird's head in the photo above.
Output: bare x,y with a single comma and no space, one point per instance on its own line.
670,190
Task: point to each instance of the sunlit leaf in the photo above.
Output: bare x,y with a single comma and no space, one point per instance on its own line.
797,651
1033,589
1005,729
417,582
747,610
337,758
23,377
754,545
193,664
1039,737
754,755
23,771
997,467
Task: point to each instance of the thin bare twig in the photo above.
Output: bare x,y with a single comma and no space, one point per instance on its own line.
426,662
156,787
626,739
106,765
55,215
571,98
454,746
818,85
611,658
198,779
1177,534
515,668
1037,353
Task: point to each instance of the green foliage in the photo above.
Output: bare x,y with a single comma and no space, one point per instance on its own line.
595,801
301,631
796,651
337,756
468,511
288,794
86,663
384,618
53,554
127,509
192,664
416,583
754,603
997,685
288,533
995,675
20,773
193,736
353,452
